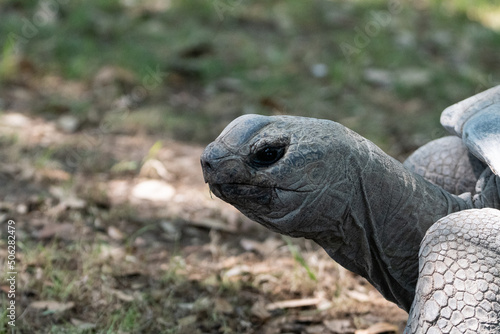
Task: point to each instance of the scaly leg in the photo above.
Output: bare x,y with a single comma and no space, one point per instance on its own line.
458,289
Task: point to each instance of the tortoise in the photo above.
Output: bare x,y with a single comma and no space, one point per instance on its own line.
425,234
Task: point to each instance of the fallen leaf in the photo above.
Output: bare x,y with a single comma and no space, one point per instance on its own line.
293,303
212,281
339,325
154,169
186,321
115,234
266,278
69,202
69,199
223,306
52,305
172,231
315,329
378,328
259,310
324,305
74,203
65,231
5,288
249,244
54,174
116,253
237,270
264,248
203,304
82,325
359,296
121,295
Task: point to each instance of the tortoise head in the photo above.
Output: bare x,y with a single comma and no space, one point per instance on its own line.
273,169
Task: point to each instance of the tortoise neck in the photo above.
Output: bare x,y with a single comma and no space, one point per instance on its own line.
389,211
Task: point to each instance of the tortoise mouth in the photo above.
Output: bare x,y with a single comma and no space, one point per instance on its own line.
238,193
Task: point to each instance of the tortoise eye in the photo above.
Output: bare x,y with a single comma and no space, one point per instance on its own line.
268,155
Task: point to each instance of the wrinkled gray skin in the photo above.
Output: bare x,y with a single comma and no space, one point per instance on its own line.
458,290
447,163
366,210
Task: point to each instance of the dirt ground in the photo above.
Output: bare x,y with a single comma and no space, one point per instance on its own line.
110,221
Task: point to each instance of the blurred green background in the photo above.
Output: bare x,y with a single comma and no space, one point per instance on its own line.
383,68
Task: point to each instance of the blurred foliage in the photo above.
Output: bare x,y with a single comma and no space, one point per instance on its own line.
385,69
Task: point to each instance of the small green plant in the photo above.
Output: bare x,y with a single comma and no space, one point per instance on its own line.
299,258
45,157
154,150
3,315
175,266
129,320
124,166
8,62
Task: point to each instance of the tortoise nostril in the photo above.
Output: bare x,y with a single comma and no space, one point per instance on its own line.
214,155
205,165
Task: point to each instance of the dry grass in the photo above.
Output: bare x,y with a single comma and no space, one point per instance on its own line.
101,258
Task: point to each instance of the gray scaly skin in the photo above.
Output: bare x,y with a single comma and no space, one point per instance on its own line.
459,286
454,163
316,179
447,163
313,178
458,290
